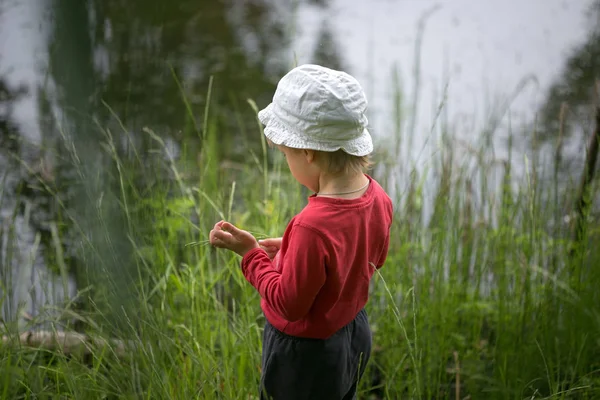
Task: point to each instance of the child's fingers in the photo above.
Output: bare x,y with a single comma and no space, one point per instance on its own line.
214,241
226,226
213,237
218,225
224,240
217,242
223,236
269,249
234,231
216,228
276,242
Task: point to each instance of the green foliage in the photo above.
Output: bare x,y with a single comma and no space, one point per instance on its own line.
485,294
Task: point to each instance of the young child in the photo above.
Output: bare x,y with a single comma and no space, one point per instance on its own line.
314,281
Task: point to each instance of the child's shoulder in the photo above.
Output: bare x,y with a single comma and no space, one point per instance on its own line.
310,216
313,217
382,195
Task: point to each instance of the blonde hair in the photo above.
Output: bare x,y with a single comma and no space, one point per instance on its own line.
339,162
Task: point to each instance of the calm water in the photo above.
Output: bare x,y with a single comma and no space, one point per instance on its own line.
73,55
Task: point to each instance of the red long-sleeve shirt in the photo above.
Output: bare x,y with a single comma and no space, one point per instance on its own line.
319,280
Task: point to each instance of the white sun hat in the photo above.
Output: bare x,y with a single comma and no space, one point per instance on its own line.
318,108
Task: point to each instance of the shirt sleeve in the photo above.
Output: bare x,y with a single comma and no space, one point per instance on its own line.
292,290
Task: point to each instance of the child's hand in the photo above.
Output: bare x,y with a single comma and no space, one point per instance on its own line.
271,246
227,236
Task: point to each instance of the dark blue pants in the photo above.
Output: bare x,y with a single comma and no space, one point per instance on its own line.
296,368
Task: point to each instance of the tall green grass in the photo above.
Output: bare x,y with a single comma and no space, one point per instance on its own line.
480,296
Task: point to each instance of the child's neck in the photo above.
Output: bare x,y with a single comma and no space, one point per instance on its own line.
347,186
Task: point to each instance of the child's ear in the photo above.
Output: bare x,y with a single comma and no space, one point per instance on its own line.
309,154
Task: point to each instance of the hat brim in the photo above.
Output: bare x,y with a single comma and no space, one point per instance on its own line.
281,134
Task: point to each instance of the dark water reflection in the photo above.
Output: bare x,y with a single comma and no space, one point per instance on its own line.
139,51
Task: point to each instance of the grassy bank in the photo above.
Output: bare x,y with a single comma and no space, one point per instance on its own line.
484,298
